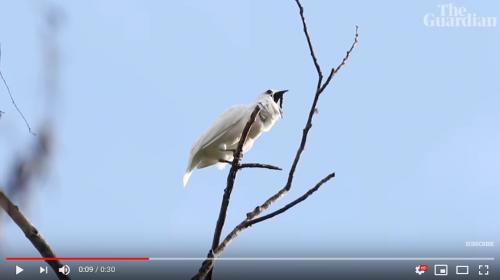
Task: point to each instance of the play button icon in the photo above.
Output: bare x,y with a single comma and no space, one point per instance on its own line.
19,270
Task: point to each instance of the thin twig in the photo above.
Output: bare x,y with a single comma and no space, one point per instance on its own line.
342,63
259,165
237,155
253,165
12,98
291,204
309,44
32,234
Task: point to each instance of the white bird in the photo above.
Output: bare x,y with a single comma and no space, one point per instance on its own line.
221,139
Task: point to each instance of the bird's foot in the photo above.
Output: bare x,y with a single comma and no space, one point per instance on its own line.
225,161
227,150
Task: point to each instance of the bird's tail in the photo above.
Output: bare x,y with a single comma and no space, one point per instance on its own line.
185,179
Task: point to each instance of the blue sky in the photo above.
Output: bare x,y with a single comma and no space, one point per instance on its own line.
410,126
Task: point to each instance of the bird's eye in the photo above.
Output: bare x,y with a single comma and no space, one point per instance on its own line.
269,92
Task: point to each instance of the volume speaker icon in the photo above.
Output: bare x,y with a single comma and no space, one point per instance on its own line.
65,269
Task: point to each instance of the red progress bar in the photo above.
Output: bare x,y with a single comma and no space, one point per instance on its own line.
77,259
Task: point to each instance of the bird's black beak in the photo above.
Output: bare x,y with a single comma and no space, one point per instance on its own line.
278,96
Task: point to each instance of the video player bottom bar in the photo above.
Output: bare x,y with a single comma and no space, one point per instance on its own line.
258,268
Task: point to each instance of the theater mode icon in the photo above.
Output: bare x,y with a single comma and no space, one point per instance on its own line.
462,270
421,269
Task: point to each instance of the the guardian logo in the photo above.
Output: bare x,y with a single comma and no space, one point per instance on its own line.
450,15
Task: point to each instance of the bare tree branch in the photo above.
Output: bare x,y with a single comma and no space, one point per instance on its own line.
208,264
26,168
342,63
253,165
308,125
259,165
235,166
251,219
12,99
309,44
32,234
291,204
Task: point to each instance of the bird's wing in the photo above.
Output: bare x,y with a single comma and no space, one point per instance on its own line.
224,122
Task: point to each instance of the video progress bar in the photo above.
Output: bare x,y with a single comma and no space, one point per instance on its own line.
252,259
78,259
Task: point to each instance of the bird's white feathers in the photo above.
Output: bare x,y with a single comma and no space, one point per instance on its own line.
221,139
223,127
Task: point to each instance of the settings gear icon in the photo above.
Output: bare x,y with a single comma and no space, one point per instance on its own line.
421,269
